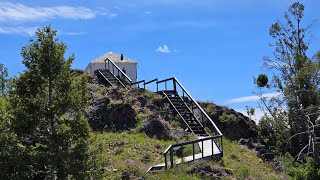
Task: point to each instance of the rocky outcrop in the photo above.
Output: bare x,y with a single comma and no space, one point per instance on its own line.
263,151
206,170
106,117
154,126
232,124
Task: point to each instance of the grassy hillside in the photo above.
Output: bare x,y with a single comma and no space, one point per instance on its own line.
126,146
131,154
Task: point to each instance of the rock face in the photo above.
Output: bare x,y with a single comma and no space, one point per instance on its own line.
154,126
203,169
114,117
231,123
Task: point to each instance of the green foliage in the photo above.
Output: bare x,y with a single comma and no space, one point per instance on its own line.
210,108
3,79
274,131
296,76
262,80
225,117
296,170
48,116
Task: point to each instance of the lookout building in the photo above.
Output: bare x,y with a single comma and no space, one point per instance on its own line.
128,66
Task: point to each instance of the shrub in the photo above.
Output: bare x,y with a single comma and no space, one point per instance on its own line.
227,117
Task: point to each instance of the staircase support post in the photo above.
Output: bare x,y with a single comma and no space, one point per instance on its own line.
193,151
202,148
221,146
171,157
165,161
212,146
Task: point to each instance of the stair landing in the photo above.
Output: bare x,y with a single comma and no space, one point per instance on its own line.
207,152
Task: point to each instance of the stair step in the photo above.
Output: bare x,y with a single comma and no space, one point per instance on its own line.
174,98
169,92
199,131
196,127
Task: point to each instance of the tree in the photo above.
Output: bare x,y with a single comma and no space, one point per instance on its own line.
296,76
3,79
47,105
250,111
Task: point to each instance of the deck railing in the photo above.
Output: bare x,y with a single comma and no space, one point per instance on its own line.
172,150
116,71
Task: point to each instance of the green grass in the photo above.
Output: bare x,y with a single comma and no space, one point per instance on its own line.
245,163
136,152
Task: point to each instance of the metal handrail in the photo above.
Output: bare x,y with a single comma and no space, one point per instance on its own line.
153,80
105,78
195,102
191,98
178,112
193,114
124,74
138,82
190,142
170,148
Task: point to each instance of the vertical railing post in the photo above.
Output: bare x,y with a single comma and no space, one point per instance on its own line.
157,87
182,152
202,148
108,64
193,151
221,147
212,146
171,157
165,84
165,161
174,85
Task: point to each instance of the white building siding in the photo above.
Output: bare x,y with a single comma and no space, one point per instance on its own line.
130,68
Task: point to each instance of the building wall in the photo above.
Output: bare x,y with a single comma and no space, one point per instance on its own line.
130,69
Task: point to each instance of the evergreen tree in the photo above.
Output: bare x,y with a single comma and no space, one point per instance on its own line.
47,105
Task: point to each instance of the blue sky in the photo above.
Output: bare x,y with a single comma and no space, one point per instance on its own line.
213,47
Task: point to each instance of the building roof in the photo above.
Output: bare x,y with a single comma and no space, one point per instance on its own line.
114,57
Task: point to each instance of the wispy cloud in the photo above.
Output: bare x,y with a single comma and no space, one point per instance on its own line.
18,30
252,98
257,114
163,49
19,12
71,33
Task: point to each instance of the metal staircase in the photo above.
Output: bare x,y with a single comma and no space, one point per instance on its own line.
181,108
192,114
113,76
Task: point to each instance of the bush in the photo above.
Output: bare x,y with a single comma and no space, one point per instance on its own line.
227,117
262,80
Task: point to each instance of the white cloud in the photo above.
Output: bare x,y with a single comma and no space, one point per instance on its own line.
252,98
71,33
113,15
257,114
163,49
18,30
19,12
